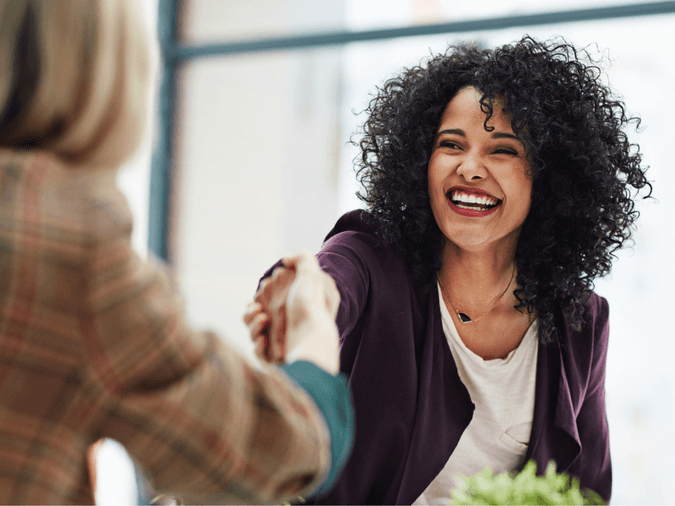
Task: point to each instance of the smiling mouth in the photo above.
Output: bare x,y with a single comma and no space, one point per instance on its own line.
473,202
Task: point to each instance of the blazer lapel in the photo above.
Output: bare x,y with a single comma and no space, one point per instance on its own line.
554,430
444,410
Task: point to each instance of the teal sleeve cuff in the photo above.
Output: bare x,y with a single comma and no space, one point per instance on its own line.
331,394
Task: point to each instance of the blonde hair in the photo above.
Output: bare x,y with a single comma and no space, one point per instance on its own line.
74,78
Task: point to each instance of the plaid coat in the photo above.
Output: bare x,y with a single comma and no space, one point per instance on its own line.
93,343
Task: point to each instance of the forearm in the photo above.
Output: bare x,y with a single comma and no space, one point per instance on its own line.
223,429
317,342
332,396
200,420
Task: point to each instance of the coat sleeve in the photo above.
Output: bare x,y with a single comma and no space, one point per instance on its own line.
200,420
345,259
593,467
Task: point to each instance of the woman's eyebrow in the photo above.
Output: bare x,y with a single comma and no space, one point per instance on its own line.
456,131
504,135
495,135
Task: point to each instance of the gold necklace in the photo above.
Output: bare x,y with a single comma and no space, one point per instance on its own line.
463,317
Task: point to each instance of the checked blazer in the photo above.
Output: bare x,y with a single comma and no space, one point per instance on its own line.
93,344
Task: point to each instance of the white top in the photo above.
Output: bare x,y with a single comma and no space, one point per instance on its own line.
503,392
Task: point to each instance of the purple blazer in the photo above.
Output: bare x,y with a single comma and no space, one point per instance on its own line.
410,405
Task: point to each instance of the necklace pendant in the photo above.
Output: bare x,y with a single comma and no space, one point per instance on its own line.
464,317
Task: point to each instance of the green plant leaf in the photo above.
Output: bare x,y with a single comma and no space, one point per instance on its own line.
523,488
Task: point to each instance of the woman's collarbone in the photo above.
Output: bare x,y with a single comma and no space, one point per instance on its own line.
494,336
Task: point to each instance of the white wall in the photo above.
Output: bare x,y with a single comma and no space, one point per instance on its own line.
257,156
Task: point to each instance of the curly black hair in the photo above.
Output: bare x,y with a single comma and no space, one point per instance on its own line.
582,165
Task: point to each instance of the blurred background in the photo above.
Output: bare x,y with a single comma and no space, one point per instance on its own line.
249,158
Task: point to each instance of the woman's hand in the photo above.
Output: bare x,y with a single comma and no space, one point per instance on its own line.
293,314
265,316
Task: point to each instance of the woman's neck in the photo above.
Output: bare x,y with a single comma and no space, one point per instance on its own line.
475,279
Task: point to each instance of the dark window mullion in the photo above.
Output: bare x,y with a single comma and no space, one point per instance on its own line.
162,160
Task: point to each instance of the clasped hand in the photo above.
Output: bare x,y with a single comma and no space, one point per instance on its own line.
292,316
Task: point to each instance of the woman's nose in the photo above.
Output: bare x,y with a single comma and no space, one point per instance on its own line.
472,167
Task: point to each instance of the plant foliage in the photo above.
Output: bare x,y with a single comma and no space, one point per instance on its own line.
523,488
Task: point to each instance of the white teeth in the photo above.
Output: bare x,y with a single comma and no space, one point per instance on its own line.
470,198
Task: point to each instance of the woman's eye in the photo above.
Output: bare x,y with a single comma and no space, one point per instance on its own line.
448,144
506,151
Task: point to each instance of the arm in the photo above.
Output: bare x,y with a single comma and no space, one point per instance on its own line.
346,264
345,261
293,318
197,417
292,315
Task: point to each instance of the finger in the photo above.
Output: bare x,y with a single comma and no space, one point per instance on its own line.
252,310
273,351
278,271
261,295
263,283
302,260
277,282
275,330
277,337
261,348
259,325
281,278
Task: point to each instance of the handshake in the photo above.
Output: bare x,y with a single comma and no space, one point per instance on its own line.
292,316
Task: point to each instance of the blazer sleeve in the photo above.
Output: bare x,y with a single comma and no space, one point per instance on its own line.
345,258
594,465
201,421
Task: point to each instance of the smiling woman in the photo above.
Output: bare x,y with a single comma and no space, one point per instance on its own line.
499,185
581,164
478,173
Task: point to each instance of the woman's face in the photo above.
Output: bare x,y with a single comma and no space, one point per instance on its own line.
479,182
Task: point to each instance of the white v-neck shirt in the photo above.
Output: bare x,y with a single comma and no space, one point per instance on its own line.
503,393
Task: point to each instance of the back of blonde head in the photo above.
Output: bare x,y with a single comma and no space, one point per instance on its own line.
74,78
